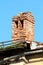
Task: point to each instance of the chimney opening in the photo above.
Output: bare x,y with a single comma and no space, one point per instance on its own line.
22,22
16,24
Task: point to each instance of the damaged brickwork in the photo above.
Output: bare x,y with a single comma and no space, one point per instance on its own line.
23,27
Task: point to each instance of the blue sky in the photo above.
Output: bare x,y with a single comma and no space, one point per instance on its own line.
9,8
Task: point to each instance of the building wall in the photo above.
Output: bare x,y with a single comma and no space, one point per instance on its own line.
27,31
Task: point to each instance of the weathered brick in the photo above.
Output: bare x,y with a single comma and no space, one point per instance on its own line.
27,31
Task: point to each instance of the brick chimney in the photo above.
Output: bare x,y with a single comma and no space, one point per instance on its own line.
23,27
